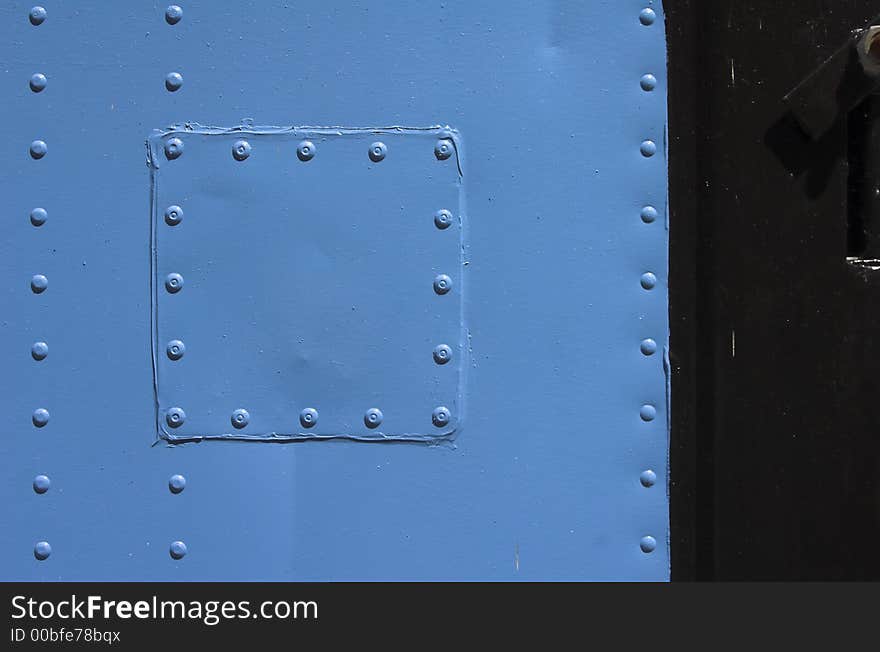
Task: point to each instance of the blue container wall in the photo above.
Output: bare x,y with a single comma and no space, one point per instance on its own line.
558,467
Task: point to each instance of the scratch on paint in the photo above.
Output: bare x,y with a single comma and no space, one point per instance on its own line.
733,343
516,557
732,74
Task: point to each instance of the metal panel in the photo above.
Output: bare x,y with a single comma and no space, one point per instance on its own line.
558,470
328,263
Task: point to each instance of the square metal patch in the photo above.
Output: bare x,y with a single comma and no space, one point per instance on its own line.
307,283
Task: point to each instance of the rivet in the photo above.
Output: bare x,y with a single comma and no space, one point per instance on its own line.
173,81
443,149
40,417
648,280
173,215
648,412
441,416
173,148
442,354
648,82
42,550
175,417
308,417
241,149
648,478
37,82
174,283
647,17
37,15
176,483
648,148
648,544
240,418
442,284
39,350
305,150
39,216
373,417
648,214
175,349
378,151
38,149
39,283
648,346
443,219
42,484
173,14
177,550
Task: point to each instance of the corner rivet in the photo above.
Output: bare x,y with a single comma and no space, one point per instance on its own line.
648,280
443,219
442,354
648,412
40,417
648,346
441,416
305,150
42,484
648,544
241,149
176,483
173,215
173,81
37,15
173,148
240,418
648,478
42,550
648,214
173,14
38,149
39,216
175,349
174,283
39,283
38,82
177,550
308,417
377,152
39,350
442,284
443,149
175,417
373,417
647,16
648,148
648,82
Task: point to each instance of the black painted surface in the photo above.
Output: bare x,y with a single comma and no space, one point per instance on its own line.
774,443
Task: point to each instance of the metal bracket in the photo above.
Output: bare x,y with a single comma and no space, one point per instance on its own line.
839,84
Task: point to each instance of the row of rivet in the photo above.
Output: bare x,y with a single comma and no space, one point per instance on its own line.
648,280
42,550
305,150
39,284
442,353
308,418
174,282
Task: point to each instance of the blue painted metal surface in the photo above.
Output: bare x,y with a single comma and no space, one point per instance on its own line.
309,284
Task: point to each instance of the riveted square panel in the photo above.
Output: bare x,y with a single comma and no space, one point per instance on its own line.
307,283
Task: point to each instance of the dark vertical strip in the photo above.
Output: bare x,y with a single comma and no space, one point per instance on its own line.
691,283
